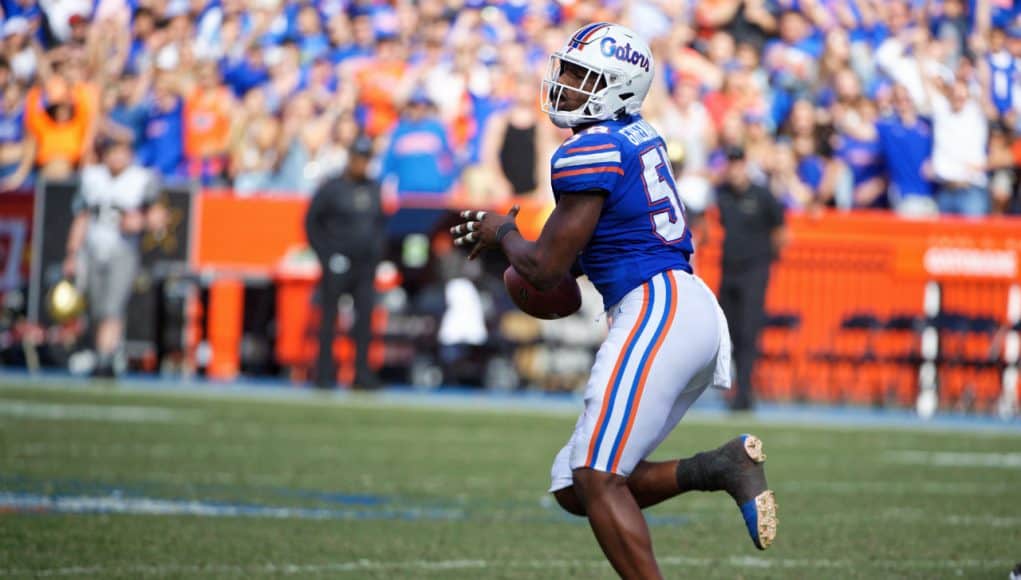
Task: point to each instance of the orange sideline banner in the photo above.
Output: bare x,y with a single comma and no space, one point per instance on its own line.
250,235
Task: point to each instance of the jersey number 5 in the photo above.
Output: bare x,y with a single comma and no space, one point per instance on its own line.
659,186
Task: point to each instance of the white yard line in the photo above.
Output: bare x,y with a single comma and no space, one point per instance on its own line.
959,520
116,504
290,569
954,459
971,488
105,413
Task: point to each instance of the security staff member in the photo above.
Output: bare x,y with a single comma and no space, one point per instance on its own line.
345,227
754,223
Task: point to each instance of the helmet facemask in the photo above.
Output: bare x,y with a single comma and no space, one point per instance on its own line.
593,87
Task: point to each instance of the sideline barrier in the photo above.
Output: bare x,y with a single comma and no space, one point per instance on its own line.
857,282
250,237
854,283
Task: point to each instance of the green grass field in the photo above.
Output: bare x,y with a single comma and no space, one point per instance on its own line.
102,483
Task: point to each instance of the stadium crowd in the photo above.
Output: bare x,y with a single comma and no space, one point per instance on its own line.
912,106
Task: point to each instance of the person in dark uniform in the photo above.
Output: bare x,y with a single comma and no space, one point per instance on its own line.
345,227
754,224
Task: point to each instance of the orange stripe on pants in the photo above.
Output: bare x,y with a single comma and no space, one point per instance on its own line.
645,372
616,370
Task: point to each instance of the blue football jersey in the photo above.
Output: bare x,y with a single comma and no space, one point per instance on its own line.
642,229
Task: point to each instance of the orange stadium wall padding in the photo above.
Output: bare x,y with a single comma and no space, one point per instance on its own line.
226,305
249,237
839,265
836,265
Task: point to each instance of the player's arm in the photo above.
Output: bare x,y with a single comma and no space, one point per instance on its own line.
547,260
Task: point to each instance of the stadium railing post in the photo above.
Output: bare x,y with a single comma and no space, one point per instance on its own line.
928,396
1007,406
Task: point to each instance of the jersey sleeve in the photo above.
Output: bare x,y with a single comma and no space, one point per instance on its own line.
590,162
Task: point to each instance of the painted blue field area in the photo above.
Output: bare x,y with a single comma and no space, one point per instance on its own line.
710,406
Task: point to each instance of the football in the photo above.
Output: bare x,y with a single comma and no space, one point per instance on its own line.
562,300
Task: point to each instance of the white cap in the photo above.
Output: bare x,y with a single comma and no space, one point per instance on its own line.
176,8
15,25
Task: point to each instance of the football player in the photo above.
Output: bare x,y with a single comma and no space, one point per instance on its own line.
619,215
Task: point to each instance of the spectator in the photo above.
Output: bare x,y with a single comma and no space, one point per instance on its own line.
960,137
28,9
836,57
758,144
342,45
1001,168
812,145
19,49
162,148
785,182
857,143
207,121
515,143
143,27
332,156
257,155
737,96
306,130
685,123
113,207
124,114
78,26
312,41
381,84
61,120
245,72
999,72
950,28
905,139
319,80
791,59
284,77
418,158
17,148
759,64
905,56
62,15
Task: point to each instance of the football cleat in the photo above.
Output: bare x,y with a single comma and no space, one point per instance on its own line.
744,478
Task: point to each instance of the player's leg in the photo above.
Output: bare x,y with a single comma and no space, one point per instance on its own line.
120,271
651,483
329,294
617,523
751,319
364,296
734,467
734,300
730,301
630,408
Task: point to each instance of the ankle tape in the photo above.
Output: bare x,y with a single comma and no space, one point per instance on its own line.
696,474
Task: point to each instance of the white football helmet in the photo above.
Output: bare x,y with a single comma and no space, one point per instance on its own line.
616,60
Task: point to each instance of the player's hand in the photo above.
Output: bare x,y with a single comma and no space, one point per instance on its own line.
70,267
480,228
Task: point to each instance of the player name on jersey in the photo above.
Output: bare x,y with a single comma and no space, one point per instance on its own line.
639,132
